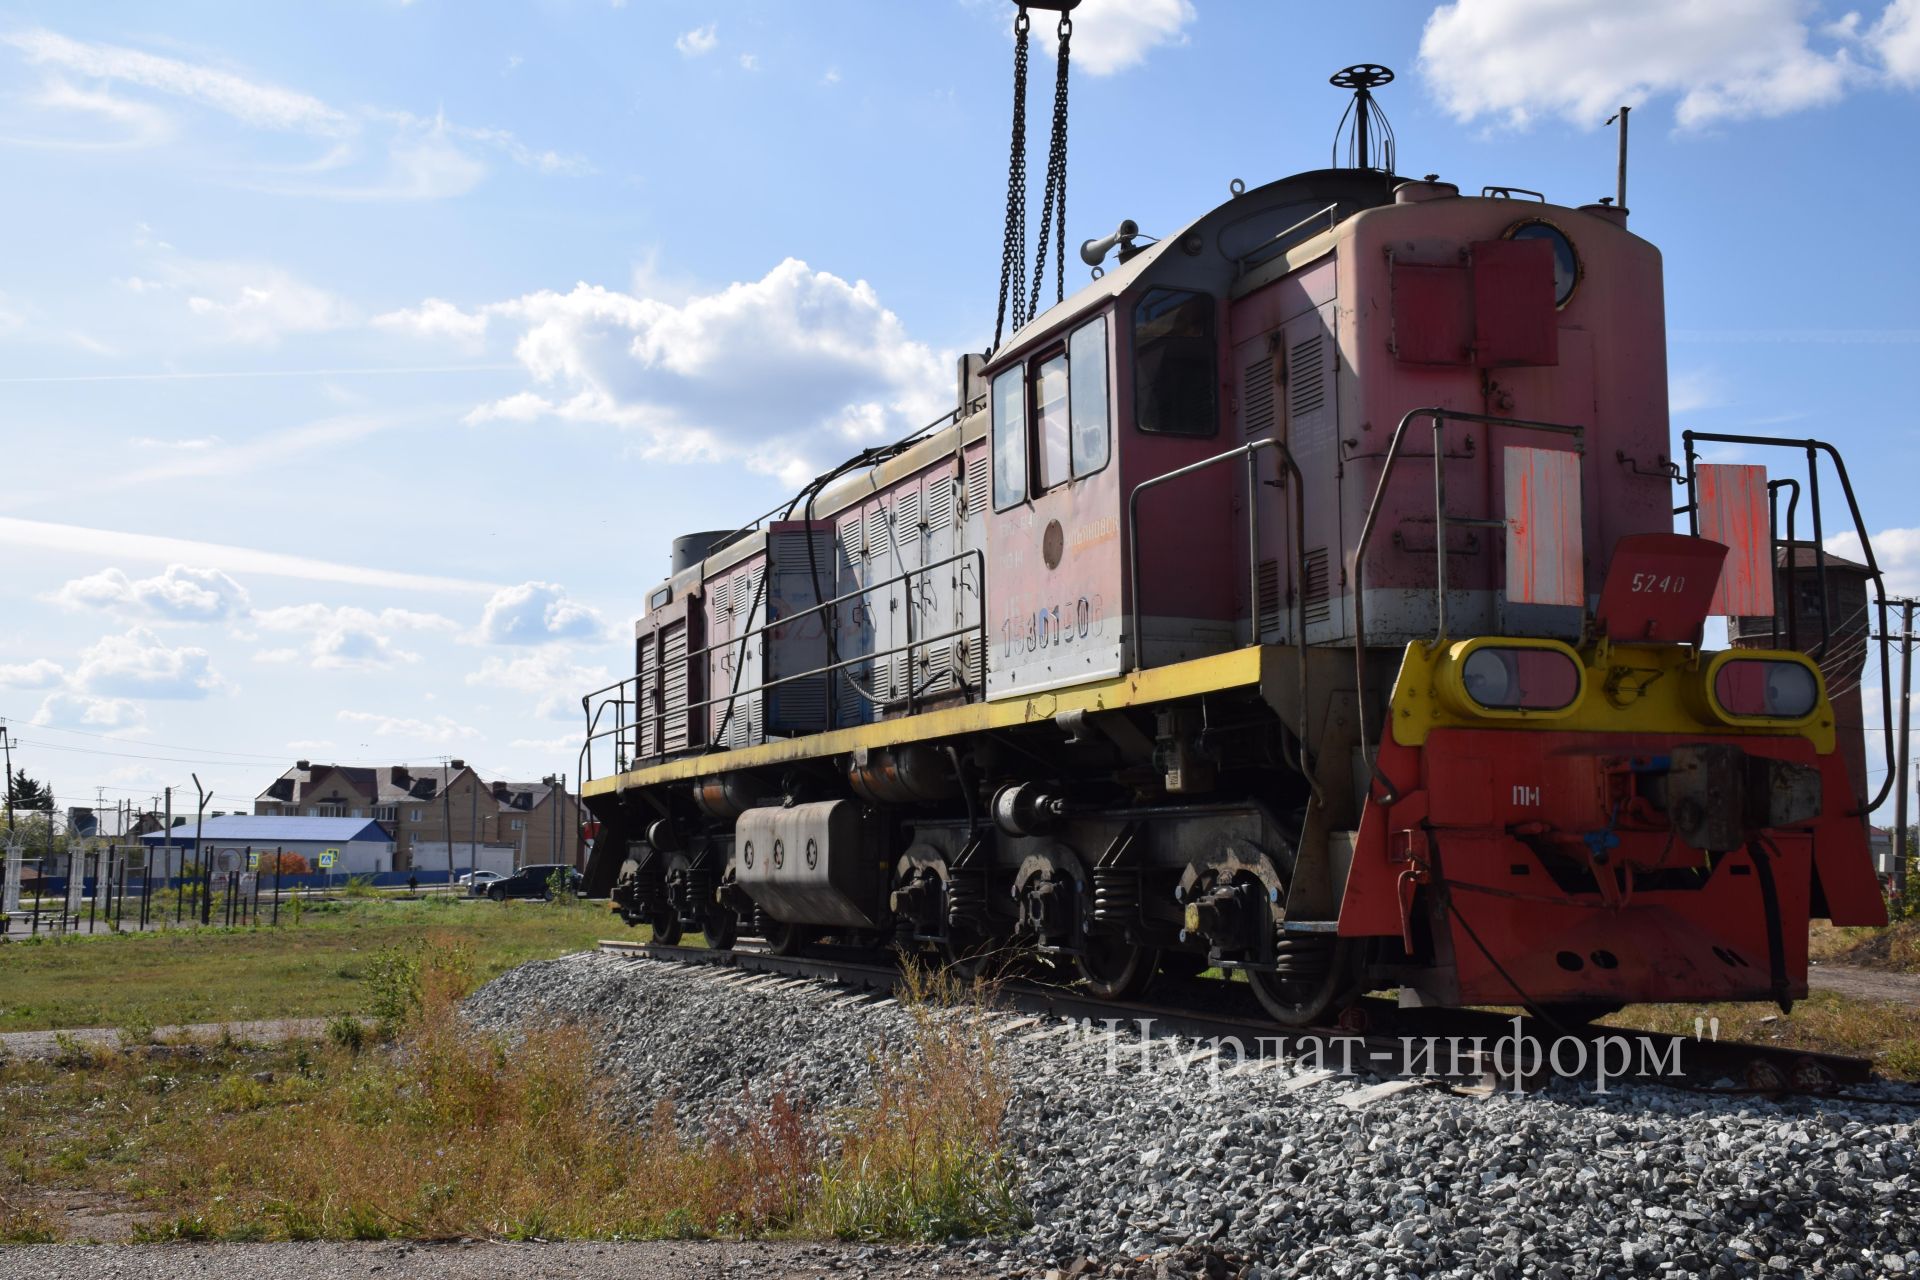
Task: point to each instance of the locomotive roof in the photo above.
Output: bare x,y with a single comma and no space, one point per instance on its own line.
1212,250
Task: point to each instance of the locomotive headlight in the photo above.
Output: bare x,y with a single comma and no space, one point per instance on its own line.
1512,678
1775,688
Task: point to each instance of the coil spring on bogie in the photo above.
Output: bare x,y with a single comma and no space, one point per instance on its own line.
762,922
1116,897
1298,956
967,898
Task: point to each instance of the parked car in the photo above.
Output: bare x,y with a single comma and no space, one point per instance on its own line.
477,881
534,882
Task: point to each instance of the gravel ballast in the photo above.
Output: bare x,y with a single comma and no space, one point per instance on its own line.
1187,1167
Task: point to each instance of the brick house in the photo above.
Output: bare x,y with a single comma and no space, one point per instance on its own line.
434,804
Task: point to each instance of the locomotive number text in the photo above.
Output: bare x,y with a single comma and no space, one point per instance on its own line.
1664,584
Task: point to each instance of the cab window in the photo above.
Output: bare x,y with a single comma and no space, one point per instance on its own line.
1087,369
1050,421
1173,361
1009,439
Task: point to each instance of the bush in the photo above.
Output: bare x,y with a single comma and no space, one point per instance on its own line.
347,1032
359,887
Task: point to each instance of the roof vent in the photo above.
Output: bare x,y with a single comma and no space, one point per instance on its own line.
304,766
456,764
499,789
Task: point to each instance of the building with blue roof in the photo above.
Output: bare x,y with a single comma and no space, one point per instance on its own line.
360,846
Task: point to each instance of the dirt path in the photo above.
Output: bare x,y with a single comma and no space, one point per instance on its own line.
1866,984
45,1044
576,1260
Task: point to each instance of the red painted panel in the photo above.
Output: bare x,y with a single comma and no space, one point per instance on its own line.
1544,560
1733,510
1659,586
1432,314
1514,321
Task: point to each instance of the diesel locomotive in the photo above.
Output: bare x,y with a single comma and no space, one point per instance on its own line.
1301,598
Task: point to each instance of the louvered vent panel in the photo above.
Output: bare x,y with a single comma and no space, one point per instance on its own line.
1267,582
976,489
1306,376
647,740
1316,590
674,688
1256,397
939,502
906,515
968,657
877,531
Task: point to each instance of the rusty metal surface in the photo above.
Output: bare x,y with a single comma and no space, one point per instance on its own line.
1545,564
1733,511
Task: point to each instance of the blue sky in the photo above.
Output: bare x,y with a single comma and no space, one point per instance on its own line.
358,361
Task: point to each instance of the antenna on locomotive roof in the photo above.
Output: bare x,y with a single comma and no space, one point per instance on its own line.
1620,176
1370,143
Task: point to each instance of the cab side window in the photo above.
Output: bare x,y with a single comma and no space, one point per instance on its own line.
1009,439
1173,364
1087,367
1050,421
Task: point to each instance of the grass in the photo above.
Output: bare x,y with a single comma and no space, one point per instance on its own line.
1895,948
445,1132
1825,1022
312,968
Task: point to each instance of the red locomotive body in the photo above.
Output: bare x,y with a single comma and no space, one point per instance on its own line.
1300,597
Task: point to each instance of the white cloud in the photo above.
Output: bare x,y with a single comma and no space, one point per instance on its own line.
349,637
181,594
38,674
69,710
1895,40
140,665
749,62
699,41
566,742
436,318
829,361
1694,390
536,613
1896,550
367,153
1110,36
551,675
242,301
194,444
248,101
45,536
1515,60
439,730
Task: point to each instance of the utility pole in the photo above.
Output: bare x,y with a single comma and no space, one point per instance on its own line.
6,744
199,849
1906,703
473,827
446,796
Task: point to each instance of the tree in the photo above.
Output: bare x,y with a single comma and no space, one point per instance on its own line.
24,793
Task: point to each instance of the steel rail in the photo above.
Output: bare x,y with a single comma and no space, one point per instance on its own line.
1368,1052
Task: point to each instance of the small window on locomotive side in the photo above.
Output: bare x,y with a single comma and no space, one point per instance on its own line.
1087,370
660,599
1054,454
1173,364
1009,439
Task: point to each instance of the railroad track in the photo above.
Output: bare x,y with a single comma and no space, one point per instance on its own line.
1467,1050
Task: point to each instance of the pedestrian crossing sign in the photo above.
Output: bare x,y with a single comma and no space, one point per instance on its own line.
326,858
253,860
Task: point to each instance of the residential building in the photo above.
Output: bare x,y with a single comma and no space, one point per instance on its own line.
436,805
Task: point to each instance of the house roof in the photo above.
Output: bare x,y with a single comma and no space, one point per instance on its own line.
1803,557
270,828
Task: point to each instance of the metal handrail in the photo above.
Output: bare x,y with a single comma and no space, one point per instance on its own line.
1359,574
1813,449
1297,502
913,643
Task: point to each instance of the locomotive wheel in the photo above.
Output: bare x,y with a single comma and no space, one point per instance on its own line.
666,928
966,953
784,938
1308,999
1115,969
722,929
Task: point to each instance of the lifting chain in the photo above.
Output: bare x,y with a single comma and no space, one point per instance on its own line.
1013,246
1053,208
1053,215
